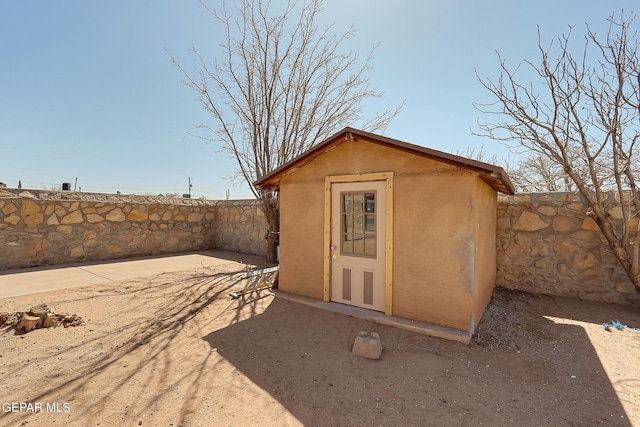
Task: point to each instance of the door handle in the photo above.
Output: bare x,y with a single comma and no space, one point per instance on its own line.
333,247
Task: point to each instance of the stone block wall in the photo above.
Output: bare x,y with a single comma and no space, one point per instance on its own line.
43,228
545,241
547,244
241,227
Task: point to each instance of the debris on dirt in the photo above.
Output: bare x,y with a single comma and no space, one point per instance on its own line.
619,326
491,332
527,348
38,317
502,320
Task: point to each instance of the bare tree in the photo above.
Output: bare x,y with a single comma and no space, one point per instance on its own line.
584,114
536,172
529,174
478,153
281,86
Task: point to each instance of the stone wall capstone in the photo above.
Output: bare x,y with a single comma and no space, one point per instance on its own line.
547,244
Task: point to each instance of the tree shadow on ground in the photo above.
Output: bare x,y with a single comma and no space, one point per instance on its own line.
543,373
136,355
526,365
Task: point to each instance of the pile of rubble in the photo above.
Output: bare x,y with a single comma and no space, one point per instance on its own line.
40,316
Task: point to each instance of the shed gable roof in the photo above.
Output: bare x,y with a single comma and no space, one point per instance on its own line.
493,175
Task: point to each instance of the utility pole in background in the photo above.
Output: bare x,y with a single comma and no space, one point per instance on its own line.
190,186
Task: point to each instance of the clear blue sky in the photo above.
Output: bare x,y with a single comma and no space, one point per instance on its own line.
87,90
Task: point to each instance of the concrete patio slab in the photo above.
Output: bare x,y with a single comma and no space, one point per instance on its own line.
24,281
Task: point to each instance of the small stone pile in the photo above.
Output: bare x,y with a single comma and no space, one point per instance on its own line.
40,316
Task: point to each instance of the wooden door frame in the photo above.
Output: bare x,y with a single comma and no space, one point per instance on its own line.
380,176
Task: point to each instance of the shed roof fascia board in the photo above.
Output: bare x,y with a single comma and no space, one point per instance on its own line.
493,175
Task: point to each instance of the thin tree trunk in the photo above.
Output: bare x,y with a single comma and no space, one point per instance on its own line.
270,207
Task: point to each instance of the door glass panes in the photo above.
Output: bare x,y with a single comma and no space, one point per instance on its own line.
370,245
358,202
358,213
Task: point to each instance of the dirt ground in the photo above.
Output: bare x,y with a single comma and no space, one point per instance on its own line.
175,350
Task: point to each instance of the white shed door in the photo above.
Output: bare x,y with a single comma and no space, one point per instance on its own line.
358,244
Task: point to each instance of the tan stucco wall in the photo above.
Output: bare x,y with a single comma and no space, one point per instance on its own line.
301,237
436,231
433,249
485,265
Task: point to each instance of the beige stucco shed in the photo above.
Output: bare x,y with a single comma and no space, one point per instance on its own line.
388,226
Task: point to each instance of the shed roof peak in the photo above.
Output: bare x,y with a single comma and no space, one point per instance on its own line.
493,175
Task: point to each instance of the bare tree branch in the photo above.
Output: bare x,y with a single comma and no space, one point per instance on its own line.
583,124
281,86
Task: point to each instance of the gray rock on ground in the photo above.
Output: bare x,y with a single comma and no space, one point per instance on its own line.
367,345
